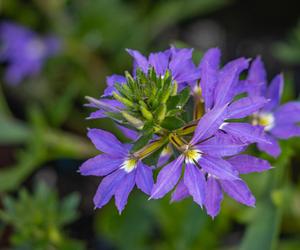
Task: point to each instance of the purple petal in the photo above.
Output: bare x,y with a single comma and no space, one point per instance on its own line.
129,133
182,67
245,107
110,81
108,187
139,60
239,191
194,180
245,132
99,114
221,146
123,191
159,61
285,131
246,164
288,113
214,197
209,124
100,165
257,76
180,192
274,92
144,178
167,178
272,148
228,78
164,156
107,142
209,67
218,167
105,104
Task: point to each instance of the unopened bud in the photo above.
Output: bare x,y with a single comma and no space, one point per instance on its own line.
123,100
161,112
133,120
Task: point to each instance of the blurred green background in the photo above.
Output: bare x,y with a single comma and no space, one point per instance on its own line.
46,204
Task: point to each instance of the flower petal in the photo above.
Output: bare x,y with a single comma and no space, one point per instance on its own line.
221,145
288,113
214,197
110,81
160,61
106,142
239,191
274,92
245,132
180,192
108,187
167,178
218,167
123,191
209,124
129,133
246,164
285,131
209,67
272,148
228,78
100,165
194,180
245,107
144,178
139,60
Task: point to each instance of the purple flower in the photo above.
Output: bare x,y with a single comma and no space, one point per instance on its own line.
120,169
24,51
218,87
178,61
279,122
206,173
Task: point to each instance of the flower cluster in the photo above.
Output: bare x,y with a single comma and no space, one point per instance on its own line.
24,51
190,123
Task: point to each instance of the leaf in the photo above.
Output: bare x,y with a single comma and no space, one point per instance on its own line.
12,131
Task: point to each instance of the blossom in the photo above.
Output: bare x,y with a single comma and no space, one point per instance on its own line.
24,51
178,61
278,121
206,173
120,169
218,86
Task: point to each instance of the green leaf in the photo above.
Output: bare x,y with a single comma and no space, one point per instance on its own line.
12,131
262,232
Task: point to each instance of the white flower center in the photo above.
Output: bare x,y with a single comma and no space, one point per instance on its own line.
192,155
129,165
36,49
266,120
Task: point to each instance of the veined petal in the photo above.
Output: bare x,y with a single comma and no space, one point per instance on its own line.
288,113
139,60
167,178
246,164
123,191
144,178
194,180
160,61
108,187
245,132
245,107
274,92
239,191
209,67
221,146
214,197
106,142
272,148
218,167
285,131
100,165
180,192
228,78
209,124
